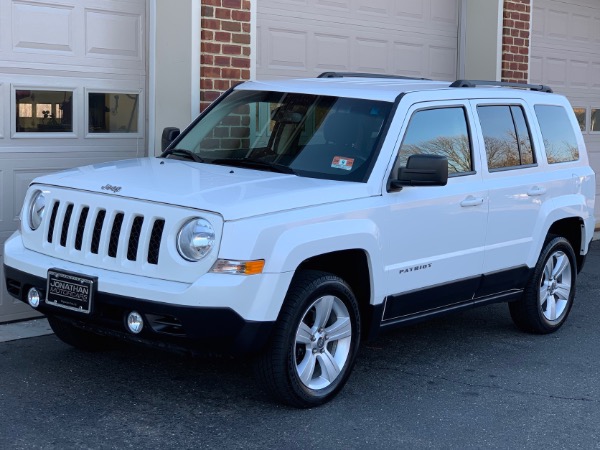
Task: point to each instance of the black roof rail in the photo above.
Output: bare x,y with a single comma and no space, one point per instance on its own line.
475,83
366,75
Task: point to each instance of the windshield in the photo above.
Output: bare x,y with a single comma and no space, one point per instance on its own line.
307,135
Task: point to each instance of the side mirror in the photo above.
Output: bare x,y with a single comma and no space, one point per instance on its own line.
422,170
169,134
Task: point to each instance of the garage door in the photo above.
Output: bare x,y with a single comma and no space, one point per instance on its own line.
406,37
565,54
72,92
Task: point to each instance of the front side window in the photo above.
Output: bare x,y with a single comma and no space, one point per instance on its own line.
441,131
40,111
506,136
560,142
308,135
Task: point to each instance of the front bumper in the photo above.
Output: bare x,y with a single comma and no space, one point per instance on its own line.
174,327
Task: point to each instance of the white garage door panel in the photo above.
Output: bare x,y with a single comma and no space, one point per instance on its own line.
565,54
83,47
305,38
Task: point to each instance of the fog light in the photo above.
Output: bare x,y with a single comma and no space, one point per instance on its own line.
135,322
33,297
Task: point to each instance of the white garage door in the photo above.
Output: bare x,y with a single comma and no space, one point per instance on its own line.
565,54
303,38
72,92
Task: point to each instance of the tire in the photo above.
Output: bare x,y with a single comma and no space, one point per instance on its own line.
78,338
305,364
549,293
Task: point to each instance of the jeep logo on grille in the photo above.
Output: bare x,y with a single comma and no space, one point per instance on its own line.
110,187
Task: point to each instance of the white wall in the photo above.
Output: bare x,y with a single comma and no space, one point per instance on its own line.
483,39
174,66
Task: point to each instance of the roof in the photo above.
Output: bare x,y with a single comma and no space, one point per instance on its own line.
385,89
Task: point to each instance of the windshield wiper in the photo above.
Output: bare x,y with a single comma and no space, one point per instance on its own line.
254,164
185,153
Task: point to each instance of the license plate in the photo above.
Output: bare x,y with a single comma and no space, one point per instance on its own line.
70,291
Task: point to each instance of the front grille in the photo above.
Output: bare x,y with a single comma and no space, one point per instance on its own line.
103,232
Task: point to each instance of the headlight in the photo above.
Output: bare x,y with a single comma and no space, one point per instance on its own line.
195,239
37,207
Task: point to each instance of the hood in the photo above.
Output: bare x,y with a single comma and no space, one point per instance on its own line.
232,192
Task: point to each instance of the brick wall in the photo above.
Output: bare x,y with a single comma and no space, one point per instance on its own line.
515,40
224,48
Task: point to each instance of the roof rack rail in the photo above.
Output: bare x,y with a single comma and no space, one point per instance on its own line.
475,83
366,75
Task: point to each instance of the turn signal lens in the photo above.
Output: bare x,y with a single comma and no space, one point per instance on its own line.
238,267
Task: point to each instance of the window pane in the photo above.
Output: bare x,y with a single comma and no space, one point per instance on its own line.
580,114
559,139
499,136
113,113
439,132
595,120
523,135
44,111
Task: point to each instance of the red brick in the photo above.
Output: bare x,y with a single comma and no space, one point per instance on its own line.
207,35
508,23
223,13
222,85
233,4
204,105
222,61
246,5
246,27
207,59
206,83
508,57
524,34
514,32
520,42
211,24
207,11
210,47
232,74
222,36
231,26
524,17
240,38
242,63
232,49
210,95
210,72
245,74
233,121
241,16
523,67
246,51
507,40
524,51
212,2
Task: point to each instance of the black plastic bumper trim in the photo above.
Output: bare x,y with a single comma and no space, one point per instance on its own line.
200,329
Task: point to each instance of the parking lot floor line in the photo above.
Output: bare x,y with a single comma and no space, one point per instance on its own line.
23,330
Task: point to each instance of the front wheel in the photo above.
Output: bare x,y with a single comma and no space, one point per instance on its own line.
315,341
549,294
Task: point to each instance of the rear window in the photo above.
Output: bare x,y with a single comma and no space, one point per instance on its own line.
560,142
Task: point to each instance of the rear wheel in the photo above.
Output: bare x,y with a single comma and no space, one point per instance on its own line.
549,294
78,338
315,342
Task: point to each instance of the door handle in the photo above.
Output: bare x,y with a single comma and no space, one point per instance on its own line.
472,201
536,190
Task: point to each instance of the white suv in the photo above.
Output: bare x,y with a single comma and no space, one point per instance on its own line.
294,218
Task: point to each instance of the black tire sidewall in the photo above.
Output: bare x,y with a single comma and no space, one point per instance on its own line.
551,247
323,285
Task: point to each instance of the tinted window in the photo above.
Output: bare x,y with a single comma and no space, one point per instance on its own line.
440,131
44,111
559,139
506,136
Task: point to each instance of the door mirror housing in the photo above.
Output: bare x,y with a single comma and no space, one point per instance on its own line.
169,134
422,170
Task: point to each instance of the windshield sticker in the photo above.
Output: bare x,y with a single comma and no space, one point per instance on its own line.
339,162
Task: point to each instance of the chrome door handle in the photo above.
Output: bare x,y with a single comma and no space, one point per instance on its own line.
472,201
535,191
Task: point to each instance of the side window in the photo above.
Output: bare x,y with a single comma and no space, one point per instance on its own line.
506,136
559,138
441,131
